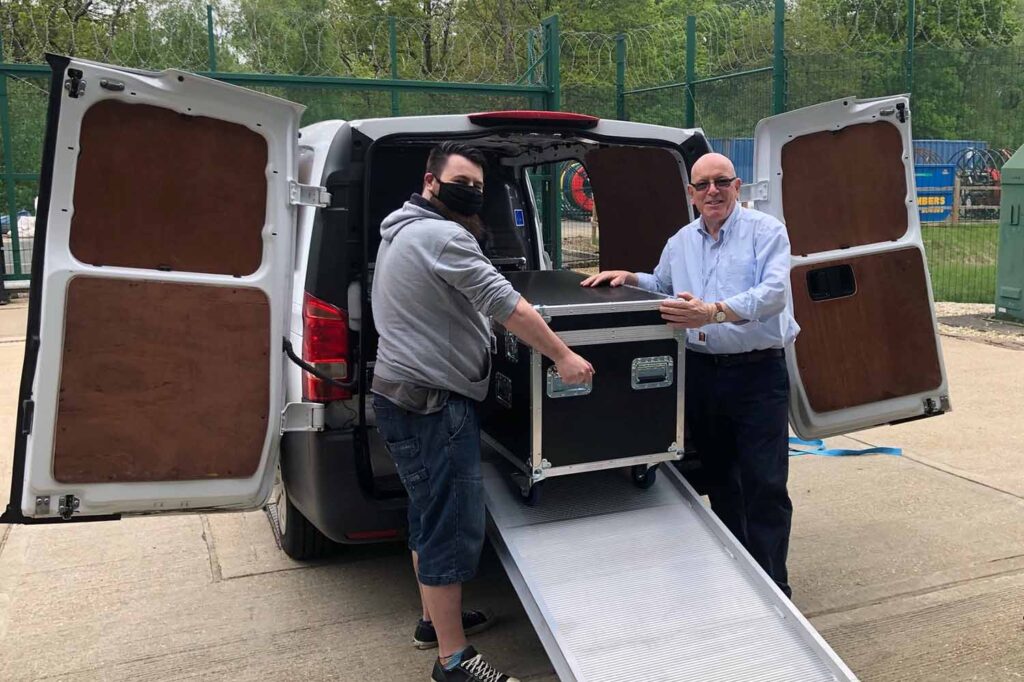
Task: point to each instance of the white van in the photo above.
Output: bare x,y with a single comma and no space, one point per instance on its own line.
190,233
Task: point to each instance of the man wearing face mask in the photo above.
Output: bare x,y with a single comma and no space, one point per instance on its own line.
433,291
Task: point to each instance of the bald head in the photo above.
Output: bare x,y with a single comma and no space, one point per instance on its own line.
714,189
713,165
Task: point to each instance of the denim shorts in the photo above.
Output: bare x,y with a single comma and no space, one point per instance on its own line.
438,460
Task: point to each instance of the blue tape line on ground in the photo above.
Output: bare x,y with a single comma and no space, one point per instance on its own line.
818,448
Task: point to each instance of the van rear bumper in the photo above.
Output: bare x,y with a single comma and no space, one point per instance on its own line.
322,481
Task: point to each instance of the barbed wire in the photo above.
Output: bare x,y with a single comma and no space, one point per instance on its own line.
331,42
175,33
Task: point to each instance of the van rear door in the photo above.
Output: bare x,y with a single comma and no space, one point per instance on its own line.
841,176
160,297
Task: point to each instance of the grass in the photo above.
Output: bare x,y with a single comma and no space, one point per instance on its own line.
962,261
961,258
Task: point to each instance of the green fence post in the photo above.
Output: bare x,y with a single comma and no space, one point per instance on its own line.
911,30
689,92
8,176
779,59
553,78
620,77
211,44
393,52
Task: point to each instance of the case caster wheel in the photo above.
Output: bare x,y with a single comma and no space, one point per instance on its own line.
644,476
532,497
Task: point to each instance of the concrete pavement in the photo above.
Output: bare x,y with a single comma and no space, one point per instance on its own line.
912,568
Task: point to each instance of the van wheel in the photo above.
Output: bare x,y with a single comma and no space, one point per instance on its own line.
299,538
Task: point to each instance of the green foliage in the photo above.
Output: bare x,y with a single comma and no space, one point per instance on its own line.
966,72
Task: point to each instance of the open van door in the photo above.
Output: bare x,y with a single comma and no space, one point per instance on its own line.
160,297
840,175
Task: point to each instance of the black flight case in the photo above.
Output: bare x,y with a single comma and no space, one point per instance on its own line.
630,415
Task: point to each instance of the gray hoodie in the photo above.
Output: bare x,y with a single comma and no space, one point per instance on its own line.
433,290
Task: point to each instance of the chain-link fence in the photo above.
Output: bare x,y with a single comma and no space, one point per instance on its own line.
722,69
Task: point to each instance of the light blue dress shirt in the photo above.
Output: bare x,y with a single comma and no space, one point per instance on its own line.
747,268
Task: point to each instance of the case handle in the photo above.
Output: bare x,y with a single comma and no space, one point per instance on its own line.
654,372
503,389
556,388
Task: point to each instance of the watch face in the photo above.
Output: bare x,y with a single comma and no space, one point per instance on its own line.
720,316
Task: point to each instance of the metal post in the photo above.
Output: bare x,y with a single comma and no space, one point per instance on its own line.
211,44
620,77
691,71
552,76
779,59
393,52
8,176
911,30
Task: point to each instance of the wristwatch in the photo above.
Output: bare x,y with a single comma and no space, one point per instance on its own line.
719,315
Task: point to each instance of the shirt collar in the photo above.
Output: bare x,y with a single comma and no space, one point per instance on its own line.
733,217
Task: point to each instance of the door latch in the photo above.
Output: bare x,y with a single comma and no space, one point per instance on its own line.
75,83
302,417
67,505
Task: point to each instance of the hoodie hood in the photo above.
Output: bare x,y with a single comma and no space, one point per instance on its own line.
417,208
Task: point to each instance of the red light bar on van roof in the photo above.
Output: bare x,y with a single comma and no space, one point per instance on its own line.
556,119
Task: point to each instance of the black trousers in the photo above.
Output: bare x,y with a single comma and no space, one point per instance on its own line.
738,418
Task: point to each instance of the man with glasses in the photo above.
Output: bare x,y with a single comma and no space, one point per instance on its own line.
729,273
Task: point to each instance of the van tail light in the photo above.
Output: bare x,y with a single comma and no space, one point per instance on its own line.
325,346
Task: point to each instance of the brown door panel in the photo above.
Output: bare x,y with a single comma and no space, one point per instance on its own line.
844,188
873,344
161,382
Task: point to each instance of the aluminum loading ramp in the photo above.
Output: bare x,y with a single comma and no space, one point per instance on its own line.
623,584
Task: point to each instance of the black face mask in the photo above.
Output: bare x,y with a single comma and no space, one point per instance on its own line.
462,199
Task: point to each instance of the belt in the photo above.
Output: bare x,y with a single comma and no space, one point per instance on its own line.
733,359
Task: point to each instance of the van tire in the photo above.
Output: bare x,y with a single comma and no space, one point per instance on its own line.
300,539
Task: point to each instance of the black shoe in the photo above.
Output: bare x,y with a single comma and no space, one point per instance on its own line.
472,668
472,623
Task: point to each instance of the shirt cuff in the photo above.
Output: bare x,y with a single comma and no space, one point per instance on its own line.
647,281
741,305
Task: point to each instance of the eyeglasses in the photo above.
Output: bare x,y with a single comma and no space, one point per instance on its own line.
720,183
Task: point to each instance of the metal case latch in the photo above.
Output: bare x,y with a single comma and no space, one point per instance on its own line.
308,195
302,417
511,347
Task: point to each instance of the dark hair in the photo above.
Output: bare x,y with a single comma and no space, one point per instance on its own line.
438,158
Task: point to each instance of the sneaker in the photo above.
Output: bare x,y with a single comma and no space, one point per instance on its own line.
472,668
472,623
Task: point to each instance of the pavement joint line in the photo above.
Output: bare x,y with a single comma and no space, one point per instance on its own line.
255,574
916,593
216,572
3,538
924,461
12,339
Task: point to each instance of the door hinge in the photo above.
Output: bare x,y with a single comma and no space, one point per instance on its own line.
302,417
308,195
755,191
67,505
75,83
